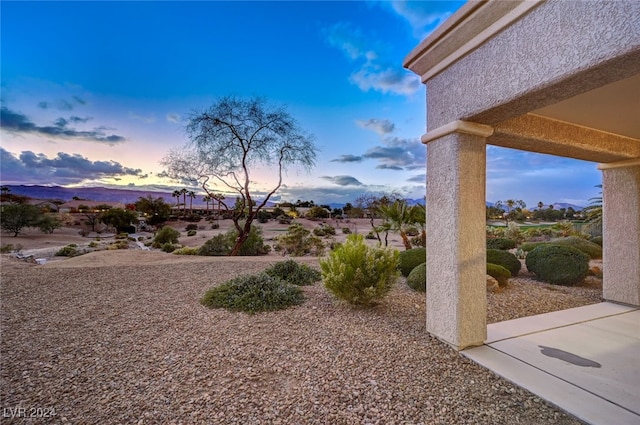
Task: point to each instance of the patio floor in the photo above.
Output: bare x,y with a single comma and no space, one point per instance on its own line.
585,360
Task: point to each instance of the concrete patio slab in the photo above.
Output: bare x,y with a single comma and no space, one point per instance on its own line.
584,360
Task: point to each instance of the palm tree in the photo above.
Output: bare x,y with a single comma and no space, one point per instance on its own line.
399,217
207,199
540,205
191,194
176,194
594,211
184,192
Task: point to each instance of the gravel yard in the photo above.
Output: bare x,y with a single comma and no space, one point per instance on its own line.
120,337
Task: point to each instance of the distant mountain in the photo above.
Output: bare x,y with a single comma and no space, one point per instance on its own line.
126,196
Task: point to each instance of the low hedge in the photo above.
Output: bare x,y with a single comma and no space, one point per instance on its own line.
417,279
501,243
505,259
558,264
499,273
410,258
593,250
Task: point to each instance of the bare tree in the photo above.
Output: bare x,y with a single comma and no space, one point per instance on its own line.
232,138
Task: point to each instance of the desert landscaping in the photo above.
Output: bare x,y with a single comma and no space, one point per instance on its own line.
119,336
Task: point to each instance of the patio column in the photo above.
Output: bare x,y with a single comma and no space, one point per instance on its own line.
621,231
456,241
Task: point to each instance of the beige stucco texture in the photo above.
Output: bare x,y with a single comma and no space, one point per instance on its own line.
555,77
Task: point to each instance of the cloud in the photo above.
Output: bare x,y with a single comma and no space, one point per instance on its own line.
424,16
373,73
79,100
173,118
343,180
398,154
15,122
381,127
65,168
145,119
420,178
348,158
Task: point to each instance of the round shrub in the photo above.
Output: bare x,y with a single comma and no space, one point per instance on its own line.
166,235
359,274
216,246
593,250
530,246
557,264
501,243
169,247
68,251
409,259
191,233
499,273
597,240
294,273
186,250
417,279
191,226
253,293
504,259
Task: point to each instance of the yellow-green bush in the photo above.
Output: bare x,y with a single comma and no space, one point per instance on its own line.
360,274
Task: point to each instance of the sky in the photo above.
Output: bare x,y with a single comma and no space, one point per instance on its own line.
98,93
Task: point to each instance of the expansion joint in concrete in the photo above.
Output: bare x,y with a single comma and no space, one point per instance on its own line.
457,126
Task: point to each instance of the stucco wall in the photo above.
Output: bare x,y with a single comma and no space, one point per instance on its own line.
560,49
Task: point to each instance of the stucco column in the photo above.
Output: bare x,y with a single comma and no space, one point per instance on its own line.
621,232
456,241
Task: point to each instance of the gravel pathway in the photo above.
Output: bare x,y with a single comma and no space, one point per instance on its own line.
119,337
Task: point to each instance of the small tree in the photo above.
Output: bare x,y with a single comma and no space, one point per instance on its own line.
16,217
48,223
512,208
119,218
232,138
156,209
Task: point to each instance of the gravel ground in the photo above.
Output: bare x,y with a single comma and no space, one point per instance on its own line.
119,337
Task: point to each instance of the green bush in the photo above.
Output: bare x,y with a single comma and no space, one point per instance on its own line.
504,259
293,272
191,226
530,246
222,244
593,250
168,247
298,241
70,250
597,240
191,233
253,293
166,235
501,243
324,230
359,274
187,250
558,264
417,279
499,273
346,231
410,258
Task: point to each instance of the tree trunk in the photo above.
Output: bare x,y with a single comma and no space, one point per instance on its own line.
243,235
405,240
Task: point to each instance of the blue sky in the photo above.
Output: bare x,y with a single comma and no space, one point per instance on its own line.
96,94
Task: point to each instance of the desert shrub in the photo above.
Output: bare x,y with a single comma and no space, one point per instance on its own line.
410,258
191,233
93,244
216,246
499,273
191,226
359,274
215,226
298,241
6,248
346,231
371,235
121,235
504,259
324,230
557,264
187,250
501,243
222,244
253,293
166,235
593,250
285,219
70,250
597,240
293,272
168,247
417,279
513,232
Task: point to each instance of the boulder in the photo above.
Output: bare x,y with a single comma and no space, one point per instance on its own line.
492,284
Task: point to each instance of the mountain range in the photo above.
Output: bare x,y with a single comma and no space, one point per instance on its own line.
129,196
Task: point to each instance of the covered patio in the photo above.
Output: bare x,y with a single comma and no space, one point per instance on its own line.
553,77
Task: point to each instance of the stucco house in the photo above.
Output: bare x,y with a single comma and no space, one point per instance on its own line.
554,77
